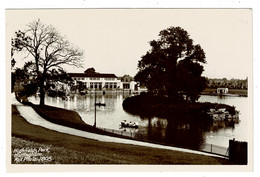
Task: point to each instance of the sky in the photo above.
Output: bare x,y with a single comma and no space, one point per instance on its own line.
114,40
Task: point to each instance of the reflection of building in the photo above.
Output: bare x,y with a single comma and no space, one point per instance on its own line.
222,90
93,80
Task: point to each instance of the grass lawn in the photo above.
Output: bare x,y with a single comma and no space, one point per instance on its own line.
69,149
62,117
67,118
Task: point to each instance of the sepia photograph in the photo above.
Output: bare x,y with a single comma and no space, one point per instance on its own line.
129,88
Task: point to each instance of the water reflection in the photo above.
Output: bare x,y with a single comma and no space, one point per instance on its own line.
179,129
182,130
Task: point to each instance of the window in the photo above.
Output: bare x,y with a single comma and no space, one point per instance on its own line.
110,79
126,86
91,85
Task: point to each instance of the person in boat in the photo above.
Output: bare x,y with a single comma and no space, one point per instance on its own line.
123,123
135,124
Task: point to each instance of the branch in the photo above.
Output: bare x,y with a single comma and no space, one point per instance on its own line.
72,60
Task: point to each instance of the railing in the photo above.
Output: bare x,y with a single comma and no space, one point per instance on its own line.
122,132
215,149
209,148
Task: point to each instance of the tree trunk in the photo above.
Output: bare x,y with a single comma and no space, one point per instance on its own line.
42,93
42,88
37,62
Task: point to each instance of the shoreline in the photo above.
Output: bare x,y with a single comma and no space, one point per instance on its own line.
224,95
52,114
154,160
231,92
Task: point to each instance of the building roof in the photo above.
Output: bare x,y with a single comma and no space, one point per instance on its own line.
100,75
126,78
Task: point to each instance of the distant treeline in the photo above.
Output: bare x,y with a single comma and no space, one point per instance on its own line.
228,83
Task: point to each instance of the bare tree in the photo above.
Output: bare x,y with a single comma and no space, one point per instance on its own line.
48,48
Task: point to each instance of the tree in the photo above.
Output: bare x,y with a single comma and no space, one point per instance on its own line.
48,48
22,80
58,76
90,70
172,67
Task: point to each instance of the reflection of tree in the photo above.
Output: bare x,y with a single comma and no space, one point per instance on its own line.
225,124
187,124
182,130
149,132
189,138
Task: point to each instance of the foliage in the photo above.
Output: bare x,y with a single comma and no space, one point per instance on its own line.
48,48
23,80
228,83
57,75
172,68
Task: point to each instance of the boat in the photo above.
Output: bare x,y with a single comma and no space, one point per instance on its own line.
129,124
100,104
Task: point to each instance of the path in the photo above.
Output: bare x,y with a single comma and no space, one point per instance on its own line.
32,117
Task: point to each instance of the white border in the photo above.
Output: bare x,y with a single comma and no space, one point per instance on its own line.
138,4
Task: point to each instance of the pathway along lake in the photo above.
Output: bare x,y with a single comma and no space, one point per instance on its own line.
180,134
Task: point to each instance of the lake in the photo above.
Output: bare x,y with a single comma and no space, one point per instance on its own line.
177,133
